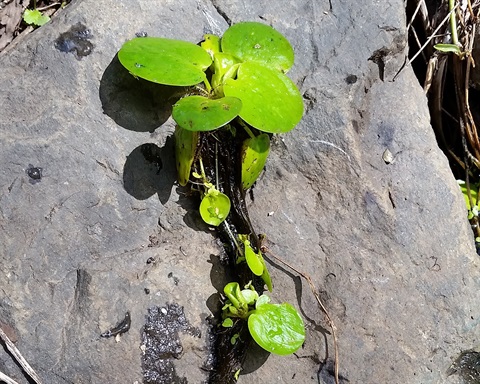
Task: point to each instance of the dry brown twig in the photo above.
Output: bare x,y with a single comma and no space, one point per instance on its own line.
264,249
20,359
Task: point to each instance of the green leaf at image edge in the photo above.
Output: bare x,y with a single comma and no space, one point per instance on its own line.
165,61
198,113
35,17
271,101
277,328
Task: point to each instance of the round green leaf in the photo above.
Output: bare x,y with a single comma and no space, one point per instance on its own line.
250,296
250,41
254,156
271,101
227,323
165,61
185,148
198,113
253,260
263,299
214,207
277,328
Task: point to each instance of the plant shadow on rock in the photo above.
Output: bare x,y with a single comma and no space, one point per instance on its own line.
144,173
142,106
133,103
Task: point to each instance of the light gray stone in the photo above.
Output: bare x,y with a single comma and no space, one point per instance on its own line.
387,245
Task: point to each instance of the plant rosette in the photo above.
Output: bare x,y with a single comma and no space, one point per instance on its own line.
247,65
277,328
235,82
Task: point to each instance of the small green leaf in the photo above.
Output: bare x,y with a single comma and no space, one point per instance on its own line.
266,276
254,155
35,17
227,323
251,41
271,101
234,338
264,299
224,67
165,61
277,328
232,291
211,44
448,48
185,148
253,260
214,207
474,189
198,113
250,296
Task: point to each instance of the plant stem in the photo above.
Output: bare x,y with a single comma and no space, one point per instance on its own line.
202,170
453,21
247,129
207,85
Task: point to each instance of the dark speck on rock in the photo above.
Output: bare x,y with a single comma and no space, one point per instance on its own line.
351,79
75,40
35,174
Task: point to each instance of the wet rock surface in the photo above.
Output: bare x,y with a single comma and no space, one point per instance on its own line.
161,343
107,229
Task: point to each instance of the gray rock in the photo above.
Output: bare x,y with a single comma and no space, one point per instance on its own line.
387,244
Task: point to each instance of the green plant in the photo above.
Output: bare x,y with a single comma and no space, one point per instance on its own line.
247,80
34,16
278,328
237,95
455,45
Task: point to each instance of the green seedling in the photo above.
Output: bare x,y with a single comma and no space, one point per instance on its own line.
454,47
34,16
277,328
473,207
255,261
214,207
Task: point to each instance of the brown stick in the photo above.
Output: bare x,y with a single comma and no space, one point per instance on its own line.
265,249
20,359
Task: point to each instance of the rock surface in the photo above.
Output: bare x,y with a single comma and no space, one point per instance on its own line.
386,242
